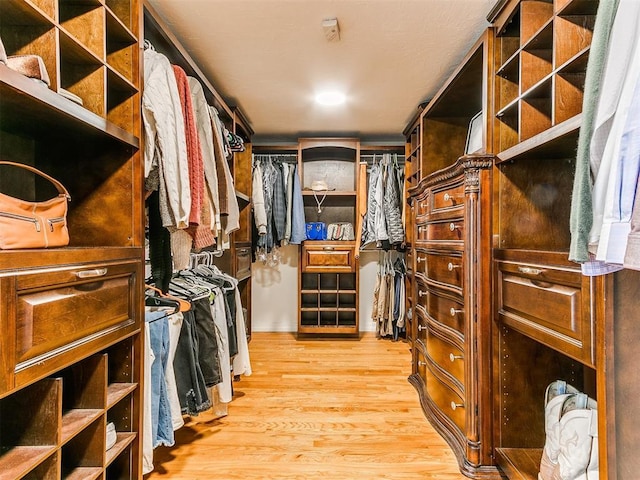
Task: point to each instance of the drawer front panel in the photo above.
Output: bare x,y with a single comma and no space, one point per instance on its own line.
451,198
243,261
48,319
444,268
421,325
447,231
448,356
446,399
446,311
329,258
549,305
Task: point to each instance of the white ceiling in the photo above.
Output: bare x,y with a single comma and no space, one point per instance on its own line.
269,57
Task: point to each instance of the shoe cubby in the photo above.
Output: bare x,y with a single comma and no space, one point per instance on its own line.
520,389
29,440
63,433
328,302
540,62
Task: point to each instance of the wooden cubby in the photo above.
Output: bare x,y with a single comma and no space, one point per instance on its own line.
71,316
64,434
540,61
544,318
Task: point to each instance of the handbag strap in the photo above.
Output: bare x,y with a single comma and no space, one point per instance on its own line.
56,183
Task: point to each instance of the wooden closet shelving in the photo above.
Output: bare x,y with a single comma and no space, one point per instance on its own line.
329,271
71,316
543,307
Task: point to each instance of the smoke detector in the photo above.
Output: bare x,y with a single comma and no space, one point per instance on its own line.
331,29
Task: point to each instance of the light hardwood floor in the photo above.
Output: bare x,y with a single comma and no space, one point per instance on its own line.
314,409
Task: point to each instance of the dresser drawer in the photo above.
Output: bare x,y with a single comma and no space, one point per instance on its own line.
445,398
61,315
451,230
328,257
444,268
548,303
445,310
448,199
445,354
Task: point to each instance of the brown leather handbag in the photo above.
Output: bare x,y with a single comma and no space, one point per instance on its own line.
25,224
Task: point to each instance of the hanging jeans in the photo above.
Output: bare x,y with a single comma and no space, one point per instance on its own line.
192,390
208,356
161,424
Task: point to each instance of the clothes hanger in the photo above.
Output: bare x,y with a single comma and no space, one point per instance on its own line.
183,305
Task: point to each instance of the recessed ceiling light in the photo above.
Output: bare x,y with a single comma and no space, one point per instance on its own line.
330,98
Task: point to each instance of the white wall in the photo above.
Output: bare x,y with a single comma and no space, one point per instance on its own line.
274,292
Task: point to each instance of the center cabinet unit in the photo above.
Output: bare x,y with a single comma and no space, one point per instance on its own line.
71,344
450,197
329,272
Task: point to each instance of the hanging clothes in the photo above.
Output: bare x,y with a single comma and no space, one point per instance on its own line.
382,223
613,153
165,146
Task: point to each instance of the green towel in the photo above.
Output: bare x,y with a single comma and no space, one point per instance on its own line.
581,218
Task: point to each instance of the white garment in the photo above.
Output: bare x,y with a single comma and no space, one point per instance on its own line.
257,199
241,362
165,145
618,83
147,427
621,189
225,388
205,134
175,324
380,219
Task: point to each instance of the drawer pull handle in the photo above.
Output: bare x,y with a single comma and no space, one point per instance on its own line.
454,312
450,198
420,328
451,266
530,270
421,363
329,249
452,226
455,405
421,259
243,251
421,293
97,272
453,357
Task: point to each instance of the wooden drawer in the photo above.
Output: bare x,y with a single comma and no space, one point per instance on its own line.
328,257
451,230
445,310
243,261
548,303
448,199
422,208
445,354
445,398
62,315
444,268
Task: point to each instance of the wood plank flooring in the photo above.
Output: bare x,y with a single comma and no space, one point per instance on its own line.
314,409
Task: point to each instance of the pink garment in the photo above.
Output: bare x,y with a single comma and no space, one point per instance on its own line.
194,154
